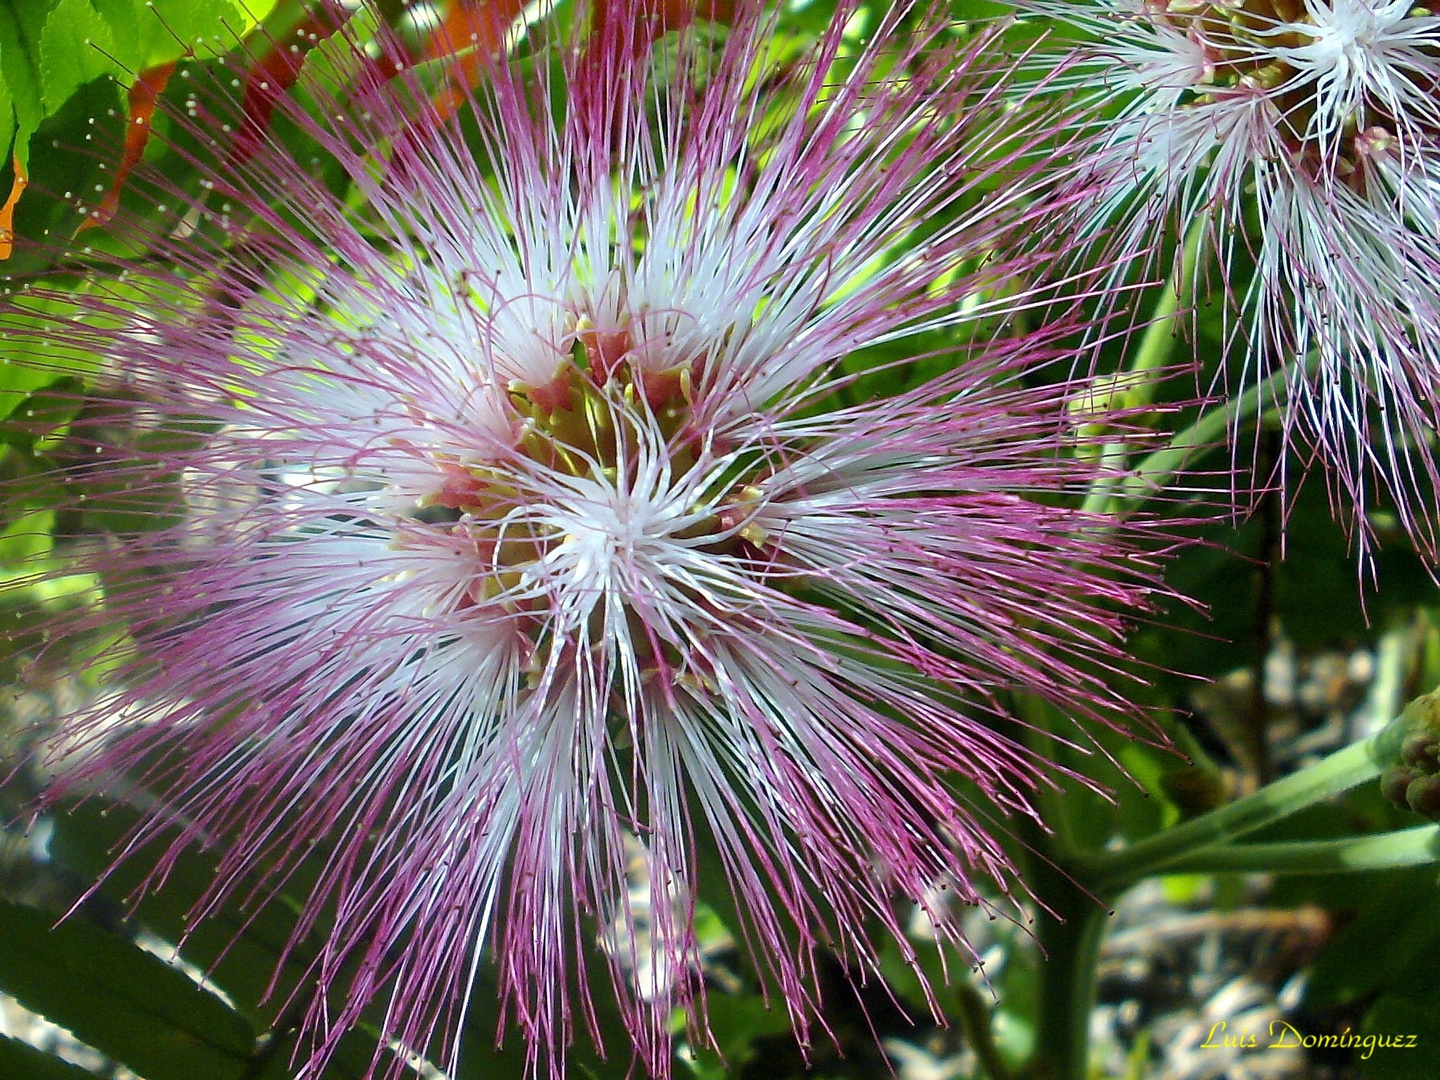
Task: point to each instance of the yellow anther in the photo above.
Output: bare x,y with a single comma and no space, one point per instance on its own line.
754,534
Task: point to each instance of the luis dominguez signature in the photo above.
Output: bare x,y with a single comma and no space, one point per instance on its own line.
1282,1035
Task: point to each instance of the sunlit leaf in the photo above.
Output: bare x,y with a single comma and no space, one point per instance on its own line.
76,47
21,25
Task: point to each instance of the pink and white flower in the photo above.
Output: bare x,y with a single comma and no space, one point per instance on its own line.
520,511
1304,138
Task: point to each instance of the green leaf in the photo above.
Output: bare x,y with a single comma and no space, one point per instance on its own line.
18,1060
7,113
239,951
128,1004
238,947
123,19
335,63
21,24
76,47
152,32
52,50
68,166
41,413
174,28
25,539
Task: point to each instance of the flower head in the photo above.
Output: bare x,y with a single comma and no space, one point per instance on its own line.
519,498
1305,139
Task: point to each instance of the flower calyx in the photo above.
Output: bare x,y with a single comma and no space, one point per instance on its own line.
1413,783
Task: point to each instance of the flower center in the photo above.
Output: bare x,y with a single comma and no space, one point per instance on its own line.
1340,75
610,494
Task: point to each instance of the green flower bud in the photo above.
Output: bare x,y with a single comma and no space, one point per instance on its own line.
1394,782
1423,795
1421,749
1413,778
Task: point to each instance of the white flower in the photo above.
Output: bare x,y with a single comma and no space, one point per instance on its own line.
1307,146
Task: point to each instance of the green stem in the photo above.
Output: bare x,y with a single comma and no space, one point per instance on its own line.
1156,346
1069,935
1110,871
1056,803
1418,846
1158,342
1070,930
1206,433
975,1022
